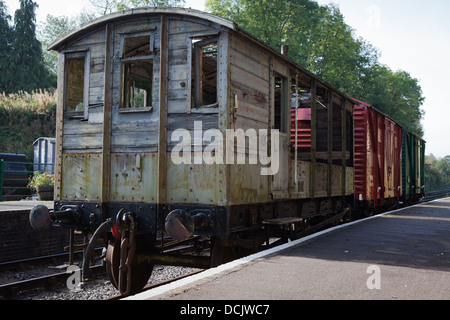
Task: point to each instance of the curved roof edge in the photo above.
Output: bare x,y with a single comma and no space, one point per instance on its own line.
138,11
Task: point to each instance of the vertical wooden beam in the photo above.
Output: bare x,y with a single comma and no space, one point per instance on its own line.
59,128
330,143
226,120
296,132
313,137
107,110
163,106
383,162
271,116
344,146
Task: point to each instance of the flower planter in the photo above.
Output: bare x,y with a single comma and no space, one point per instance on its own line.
45,193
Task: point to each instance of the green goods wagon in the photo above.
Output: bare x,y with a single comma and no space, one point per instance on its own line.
413,166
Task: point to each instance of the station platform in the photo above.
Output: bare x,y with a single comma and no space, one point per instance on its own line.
23,205
401,255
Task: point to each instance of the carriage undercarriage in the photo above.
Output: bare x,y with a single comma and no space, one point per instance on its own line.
130,252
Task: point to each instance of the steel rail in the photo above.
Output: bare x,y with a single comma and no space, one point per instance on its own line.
7,291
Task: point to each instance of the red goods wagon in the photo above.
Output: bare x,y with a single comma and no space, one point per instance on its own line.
378,146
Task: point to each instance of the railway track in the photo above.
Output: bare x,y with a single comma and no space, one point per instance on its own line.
8,291
429,196
54,280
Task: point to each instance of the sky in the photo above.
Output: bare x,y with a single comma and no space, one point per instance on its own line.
411,35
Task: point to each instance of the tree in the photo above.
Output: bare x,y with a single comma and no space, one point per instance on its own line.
396,94
27,61
6,39
275,22
109,6
52,29
104,6
337,56
320,40
437,173
156,3
443,165
317,36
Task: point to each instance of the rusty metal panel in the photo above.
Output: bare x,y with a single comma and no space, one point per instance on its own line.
336,183
321,177
248,185
81,177
304,168
195,184
133,177
350,178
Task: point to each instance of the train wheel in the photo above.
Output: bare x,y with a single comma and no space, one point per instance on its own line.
140,270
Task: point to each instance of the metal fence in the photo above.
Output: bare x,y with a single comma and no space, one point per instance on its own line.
15,177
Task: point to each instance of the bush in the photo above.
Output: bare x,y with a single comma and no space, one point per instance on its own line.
25,117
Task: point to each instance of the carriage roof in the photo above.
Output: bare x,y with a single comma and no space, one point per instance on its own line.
84,28
146,11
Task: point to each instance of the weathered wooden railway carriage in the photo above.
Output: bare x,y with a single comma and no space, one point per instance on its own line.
130,81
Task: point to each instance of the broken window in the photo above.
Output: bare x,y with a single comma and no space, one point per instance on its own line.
76,82
204,72
137,84
137,72
137,46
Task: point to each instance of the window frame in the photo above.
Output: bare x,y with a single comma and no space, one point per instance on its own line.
284,103
127,60
194,71
122,103
72,55
150,33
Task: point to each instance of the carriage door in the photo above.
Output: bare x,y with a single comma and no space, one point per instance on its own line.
134,121
280,112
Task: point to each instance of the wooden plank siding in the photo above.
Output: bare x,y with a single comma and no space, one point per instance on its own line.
132,132
250,83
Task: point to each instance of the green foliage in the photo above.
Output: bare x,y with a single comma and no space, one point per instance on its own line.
6,40
396,94
27,63
443,165
52,29
320,40
274,22
55,27
155,3
337,56
108,6
21,61
42,179
437,173
24,118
